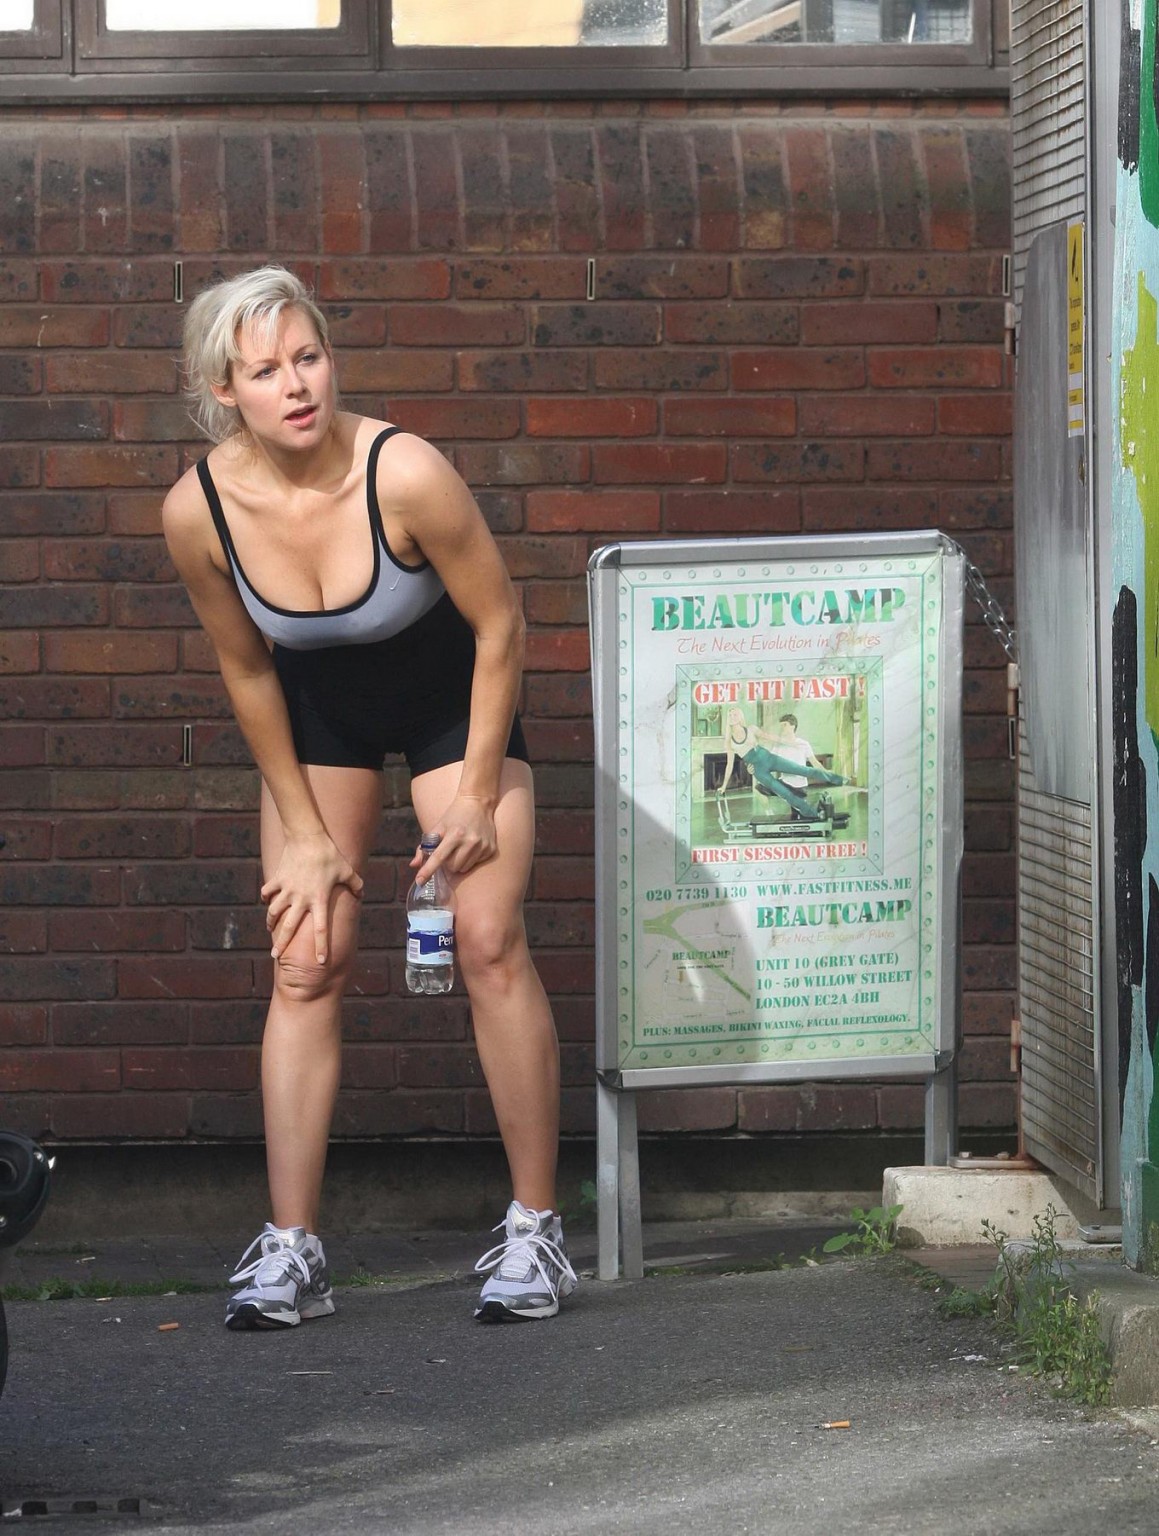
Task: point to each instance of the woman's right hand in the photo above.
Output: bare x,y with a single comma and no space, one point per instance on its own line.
309,872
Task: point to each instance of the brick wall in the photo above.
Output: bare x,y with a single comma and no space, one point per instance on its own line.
797,326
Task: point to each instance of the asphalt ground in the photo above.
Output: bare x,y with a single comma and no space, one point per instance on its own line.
690,1401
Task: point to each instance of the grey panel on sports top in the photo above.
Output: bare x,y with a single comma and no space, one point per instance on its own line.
398,595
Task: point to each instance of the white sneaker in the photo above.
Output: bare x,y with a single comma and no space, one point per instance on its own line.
528,1270
286,1283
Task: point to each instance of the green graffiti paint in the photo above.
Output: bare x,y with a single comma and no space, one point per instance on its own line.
1148,125
1139,444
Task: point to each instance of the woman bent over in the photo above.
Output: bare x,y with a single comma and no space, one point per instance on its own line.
359,606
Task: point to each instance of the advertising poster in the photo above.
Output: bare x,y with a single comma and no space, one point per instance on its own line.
779,775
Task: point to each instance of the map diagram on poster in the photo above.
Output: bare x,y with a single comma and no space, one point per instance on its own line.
778,812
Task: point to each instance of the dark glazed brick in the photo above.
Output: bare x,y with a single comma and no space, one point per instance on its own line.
902,193
54,607
19,281
18,195
60,193
530,191
295,189
55,513
53,885
766,201
855,189
105,220
50,698
988,156
106,282
246,199
594,325
804,277
484,198
660,277
811,186
37,980
151,217
576,195
60,420
435,154
717,188
198,161
972,320
388,182
671,196
622,185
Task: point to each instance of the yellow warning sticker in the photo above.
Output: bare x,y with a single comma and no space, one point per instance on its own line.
1075,337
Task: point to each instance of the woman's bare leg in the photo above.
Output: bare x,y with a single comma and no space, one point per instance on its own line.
514,1030
302,1044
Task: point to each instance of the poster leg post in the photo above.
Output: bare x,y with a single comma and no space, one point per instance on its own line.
942,1115
608,1180
631,1226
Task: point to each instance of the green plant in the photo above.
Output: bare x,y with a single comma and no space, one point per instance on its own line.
1056,1334
874,1231
963,1303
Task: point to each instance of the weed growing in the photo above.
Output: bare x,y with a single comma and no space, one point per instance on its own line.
1032,1298
874,1232
95,1289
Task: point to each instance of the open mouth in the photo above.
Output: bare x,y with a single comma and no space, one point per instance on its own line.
303,415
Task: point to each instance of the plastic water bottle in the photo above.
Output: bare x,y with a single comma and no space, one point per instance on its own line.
430,931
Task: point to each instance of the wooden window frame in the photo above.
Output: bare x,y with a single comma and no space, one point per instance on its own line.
358,62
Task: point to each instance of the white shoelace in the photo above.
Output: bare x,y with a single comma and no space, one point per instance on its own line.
278,1260
516,1257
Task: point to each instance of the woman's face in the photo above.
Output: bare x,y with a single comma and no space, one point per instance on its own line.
283,384
736,719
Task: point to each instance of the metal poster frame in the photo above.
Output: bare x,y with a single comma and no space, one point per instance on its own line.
697,647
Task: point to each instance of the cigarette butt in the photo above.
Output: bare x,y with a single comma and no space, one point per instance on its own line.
835,1424
167,1327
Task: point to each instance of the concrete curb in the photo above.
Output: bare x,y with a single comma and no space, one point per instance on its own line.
945,1207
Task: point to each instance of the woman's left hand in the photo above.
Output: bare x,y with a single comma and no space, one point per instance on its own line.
466,833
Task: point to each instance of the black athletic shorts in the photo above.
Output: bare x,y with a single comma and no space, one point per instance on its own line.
352,705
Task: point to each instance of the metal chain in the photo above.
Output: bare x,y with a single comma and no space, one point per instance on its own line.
996,621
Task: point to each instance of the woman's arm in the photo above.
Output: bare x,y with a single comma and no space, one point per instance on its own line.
435,512
311,866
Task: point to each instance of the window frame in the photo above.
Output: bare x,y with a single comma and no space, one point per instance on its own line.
358,62
43,46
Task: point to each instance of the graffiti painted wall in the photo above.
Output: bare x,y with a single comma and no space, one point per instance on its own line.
1135,629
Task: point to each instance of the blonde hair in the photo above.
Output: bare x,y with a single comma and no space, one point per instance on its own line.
255,301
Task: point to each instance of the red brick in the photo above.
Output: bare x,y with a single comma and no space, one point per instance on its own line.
563,879
732,324
53,327
936,367
867,415
766,198
457,325
200,206
789,277
111,652
768,1109
523,372
19,653
774,417
989,874
796,368
120,1023
22,1024
659,463
137,837
396,372
369,1066
26,840
20,375
968,276
153,421
988,1013
456,418
559,741
661,370
889,322
561,651
987,1105
120,372
80,1071
931,460
621,416
661,277
988,922
530,277
798,462
19,560
973,320
55,513
683,1109
856,190
621,162
901,1107
555,602
107,560
732,512
717,187
878,508
21,746
564,832
204,1067
23,933
19,467
810,188
442,1066
216,976
558,695
524,464
399,1114
948,185
976,415
113,1117
110,466
593,511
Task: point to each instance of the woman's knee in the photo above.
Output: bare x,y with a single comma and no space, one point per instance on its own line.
303,979
490,947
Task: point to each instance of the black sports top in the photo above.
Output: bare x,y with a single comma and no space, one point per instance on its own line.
398,595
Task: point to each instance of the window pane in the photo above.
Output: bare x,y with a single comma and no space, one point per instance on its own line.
835,21
528,23
16,15
219,15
